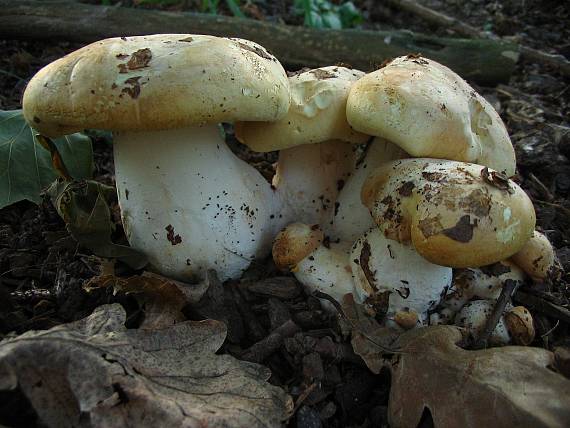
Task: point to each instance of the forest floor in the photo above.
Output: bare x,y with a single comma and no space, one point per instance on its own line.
42,270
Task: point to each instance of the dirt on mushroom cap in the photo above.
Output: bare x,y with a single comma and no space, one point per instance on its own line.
157,82
452,215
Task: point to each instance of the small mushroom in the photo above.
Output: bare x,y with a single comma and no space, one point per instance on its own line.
392,278
520,325
429,111
186,200
455,214
485,282
473,317
318,267
315,142
537,258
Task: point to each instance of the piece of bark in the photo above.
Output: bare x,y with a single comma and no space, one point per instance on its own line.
484,61
254,328
277,312
282,287
267,346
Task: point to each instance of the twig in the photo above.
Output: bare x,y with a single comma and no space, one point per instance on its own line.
552,204
304,396
338,307
547,193
551,330
460,27
15,76
543,306
508,288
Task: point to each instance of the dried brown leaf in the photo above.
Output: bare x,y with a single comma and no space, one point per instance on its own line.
498,387
162,298
95,372
369,339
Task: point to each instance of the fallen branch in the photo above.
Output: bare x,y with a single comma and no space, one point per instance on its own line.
481,60
442,20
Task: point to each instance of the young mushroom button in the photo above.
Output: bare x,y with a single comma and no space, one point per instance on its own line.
455,214
429,111
187,201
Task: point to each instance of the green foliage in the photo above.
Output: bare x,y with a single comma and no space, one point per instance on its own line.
84,206
211,6
26,168
323,14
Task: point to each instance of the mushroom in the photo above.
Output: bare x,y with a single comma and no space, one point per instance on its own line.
454,213
537,258
520,325
485,282
473,317
429,111
394,280
299,247
514,326
316,155
187,201
351,217
376,270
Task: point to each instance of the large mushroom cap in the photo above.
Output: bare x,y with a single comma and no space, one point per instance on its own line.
455,214
430,111
156,82
317,113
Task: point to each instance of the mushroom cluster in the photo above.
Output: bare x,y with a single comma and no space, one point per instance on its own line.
428,226
394,185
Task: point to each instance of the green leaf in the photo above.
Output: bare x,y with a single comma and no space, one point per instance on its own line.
26,167
77,154
324,14
83,205
233,5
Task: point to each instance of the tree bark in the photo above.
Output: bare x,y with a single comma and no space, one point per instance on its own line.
483,61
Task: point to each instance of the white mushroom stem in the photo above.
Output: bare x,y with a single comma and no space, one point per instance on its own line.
190,204
473,317
384,267
485,282
308,179
374,267
351,217
326,270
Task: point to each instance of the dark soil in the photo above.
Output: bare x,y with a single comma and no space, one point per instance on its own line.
42,269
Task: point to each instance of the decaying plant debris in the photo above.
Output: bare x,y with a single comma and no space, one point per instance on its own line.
270,320
95,372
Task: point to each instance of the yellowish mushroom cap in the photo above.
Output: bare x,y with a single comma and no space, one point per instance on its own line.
429,111
520,325
156,82
455,214
317,113
294,243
